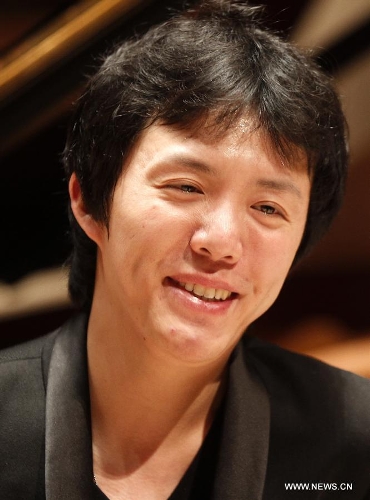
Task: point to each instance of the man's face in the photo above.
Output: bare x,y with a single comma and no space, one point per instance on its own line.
201,237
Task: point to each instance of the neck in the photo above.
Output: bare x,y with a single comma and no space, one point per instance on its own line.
143,404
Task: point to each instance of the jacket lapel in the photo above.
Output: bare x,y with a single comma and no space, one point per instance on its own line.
245,438
68,435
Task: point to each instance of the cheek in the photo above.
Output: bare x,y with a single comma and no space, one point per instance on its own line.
163,226
269,274
273,257
145,233
134,223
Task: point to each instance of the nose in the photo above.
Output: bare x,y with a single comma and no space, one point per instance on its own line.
219,236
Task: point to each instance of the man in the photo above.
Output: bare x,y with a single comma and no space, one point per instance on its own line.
205,158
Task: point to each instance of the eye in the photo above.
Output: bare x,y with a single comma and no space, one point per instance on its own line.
184,188
266,209
188,188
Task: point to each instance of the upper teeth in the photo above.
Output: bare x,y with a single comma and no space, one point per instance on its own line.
208,293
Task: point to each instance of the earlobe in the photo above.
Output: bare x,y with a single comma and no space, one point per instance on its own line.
90,226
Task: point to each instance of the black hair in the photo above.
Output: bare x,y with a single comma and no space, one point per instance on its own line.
212,63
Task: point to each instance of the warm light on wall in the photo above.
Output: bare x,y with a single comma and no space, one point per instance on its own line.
71,30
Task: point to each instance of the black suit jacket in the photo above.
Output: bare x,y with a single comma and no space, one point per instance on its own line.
288,419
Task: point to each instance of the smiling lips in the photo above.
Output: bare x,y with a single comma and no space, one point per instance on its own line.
205,292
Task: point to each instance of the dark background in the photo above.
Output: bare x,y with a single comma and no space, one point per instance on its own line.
333,282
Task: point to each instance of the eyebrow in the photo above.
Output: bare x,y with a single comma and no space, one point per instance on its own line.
198,166
282,186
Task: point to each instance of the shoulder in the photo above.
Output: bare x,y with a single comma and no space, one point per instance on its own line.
22,415
23,374
34,355
28,359
297,373
315,387
320,416
26,350
23,385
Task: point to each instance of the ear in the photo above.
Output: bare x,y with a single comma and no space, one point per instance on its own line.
93,229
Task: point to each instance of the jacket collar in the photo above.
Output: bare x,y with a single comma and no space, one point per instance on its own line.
68,430
243,455
245,438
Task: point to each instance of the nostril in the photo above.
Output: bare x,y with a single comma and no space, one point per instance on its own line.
205,250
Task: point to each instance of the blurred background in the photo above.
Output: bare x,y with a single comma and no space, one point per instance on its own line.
47,47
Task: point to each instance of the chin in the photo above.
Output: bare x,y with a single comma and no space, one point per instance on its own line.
201,347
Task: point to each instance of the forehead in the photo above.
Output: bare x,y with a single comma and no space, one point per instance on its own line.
242,136
247,129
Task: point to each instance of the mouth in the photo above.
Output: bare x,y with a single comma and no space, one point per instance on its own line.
207,294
